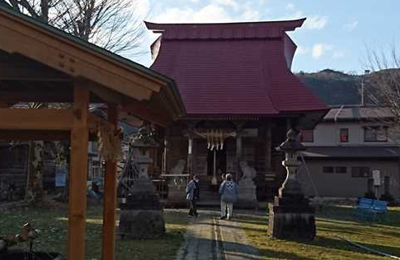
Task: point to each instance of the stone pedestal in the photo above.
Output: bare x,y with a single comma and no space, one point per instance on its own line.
291,218
247,194
290,215
142,213
141,224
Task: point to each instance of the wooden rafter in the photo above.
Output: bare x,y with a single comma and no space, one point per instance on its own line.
146,112
132,106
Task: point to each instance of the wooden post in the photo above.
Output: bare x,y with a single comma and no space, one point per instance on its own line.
288,125
165,152
268,148
110,198
78,174
239,128
190,155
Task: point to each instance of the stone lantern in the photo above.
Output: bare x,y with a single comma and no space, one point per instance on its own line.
290,215
142,213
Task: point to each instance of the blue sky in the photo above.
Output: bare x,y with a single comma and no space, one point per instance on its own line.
336,35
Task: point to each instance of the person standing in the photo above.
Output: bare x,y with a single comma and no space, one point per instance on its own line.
224,211
193,195
229,194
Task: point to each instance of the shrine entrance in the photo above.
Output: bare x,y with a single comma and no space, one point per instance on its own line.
216,162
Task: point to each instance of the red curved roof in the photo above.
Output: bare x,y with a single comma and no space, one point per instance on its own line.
233,69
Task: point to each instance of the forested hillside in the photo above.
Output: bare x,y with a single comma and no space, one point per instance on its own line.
333,87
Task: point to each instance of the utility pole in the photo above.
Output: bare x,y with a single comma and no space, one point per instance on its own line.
362,87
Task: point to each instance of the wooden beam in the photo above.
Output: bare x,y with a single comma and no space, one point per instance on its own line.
137,108
106,94
146,112
42,135
28,135
110,197
36,119
78,174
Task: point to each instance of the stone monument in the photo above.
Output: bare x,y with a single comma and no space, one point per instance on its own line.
141,212
290,215
247,190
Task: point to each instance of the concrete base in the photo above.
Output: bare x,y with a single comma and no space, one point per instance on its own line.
291,219
141,224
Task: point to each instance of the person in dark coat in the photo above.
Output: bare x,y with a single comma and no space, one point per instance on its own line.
193,195
229,194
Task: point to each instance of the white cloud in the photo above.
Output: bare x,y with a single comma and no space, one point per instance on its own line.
209,13
338,54
316,22
319,49
302,50
230,3
350,26
142,8
290,6
194,1
250,14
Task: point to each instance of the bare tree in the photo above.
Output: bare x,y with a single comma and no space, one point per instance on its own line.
112,24
381,87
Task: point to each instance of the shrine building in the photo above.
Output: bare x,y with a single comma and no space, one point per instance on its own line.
240,96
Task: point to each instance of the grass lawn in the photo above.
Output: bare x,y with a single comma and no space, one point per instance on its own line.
333,222
52,222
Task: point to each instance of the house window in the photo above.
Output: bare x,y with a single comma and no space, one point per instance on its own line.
344,135
360,172
307,136
341,169
337,169
375,134
327,169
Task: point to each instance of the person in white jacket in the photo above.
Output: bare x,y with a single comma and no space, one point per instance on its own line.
229,194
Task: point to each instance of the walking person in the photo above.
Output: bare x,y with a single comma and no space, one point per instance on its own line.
224,210
229,194
193,195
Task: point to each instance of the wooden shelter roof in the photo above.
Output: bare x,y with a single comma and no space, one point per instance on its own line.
39,62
